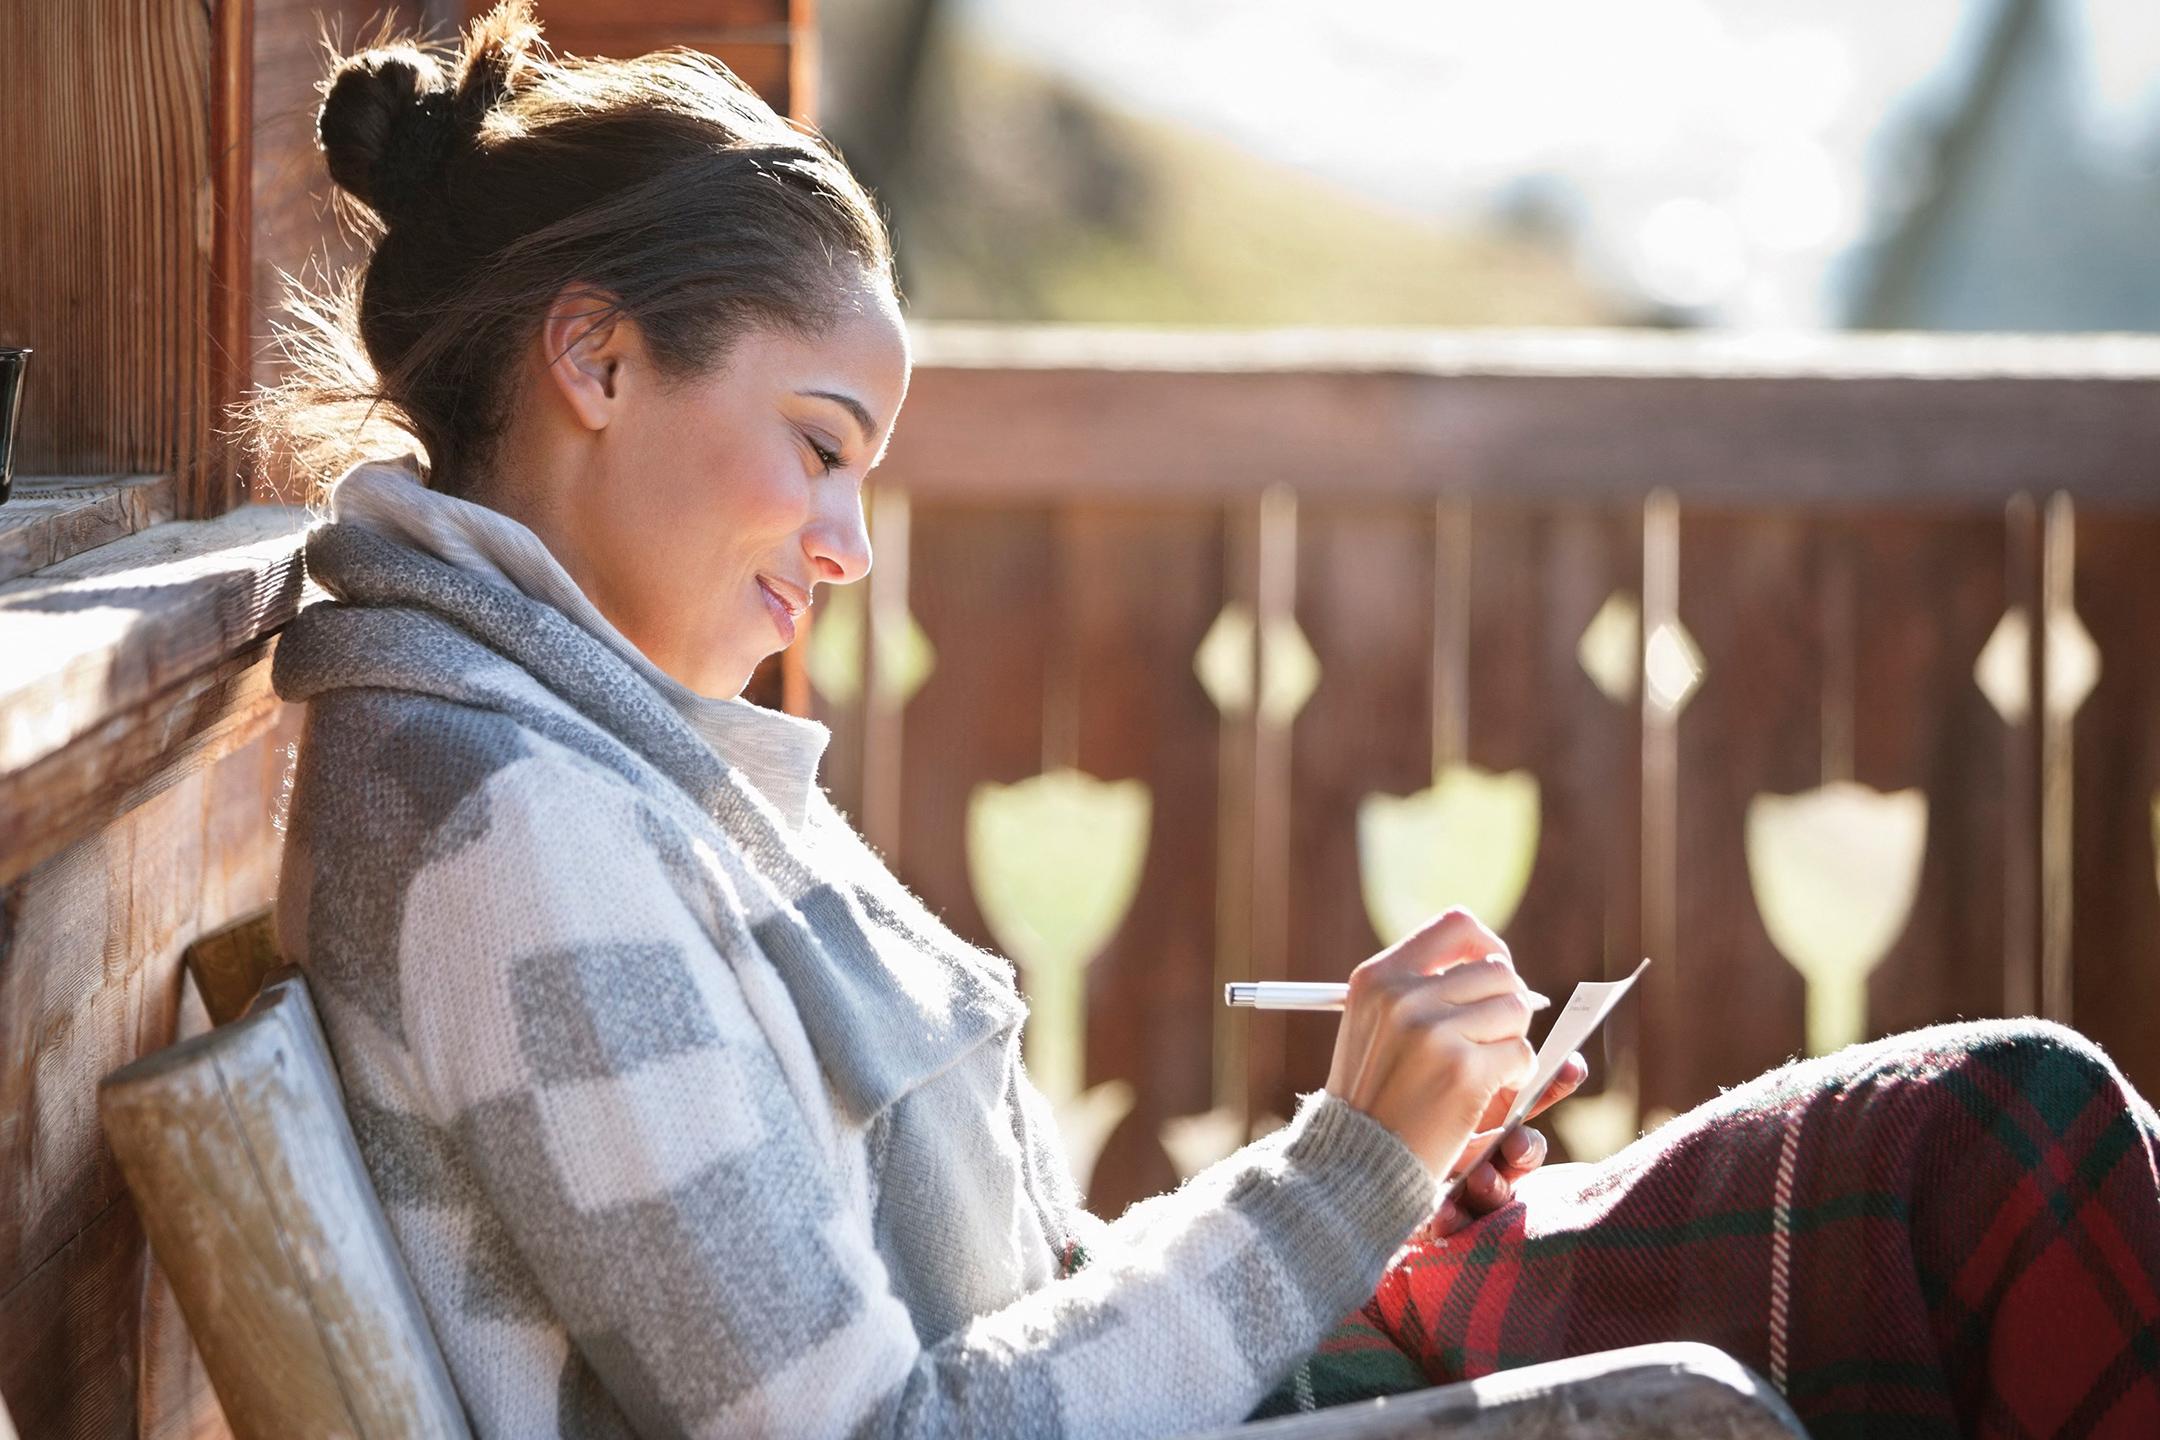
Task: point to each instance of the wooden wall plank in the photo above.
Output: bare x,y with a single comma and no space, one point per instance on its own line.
294,225
1536,581
229,319
2115,914
1802,687
681,14
70,1333
1364,587
1928,591
90,978
108,170
982,584
1731,1005
1141,587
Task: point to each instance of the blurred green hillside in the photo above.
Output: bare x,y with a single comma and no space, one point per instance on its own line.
1018,198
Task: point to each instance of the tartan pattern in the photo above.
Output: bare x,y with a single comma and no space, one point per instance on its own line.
1963,1238
690,1124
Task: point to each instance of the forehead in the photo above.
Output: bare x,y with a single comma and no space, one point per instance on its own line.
863,352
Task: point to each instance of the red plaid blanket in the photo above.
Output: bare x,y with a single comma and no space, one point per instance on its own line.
1949,1232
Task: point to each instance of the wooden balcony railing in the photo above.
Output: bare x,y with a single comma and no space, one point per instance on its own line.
1339,626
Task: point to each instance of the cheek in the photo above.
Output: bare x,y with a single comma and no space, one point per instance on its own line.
756,498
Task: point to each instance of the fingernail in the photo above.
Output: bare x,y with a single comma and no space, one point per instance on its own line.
1537,1001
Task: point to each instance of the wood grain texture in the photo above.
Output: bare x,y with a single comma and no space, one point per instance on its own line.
294,227
682,14
1141,586
251,1188
1799,690
50,518
69,1333
2115,782
1949,421
221,481
1747,598
109,234
1364,587
760,40
230,964
1537,578
173,1398
90,978
982,584
1927,594
63,797
97,635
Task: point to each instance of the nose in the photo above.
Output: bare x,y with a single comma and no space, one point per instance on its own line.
839,546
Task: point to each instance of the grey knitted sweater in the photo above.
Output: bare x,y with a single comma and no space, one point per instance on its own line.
689,1119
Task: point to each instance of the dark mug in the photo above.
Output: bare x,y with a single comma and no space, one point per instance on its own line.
12,364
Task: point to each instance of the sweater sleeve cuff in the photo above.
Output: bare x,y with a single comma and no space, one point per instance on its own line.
1382,1189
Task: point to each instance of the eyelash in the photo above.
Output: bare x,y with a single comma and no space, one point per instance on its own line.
829,459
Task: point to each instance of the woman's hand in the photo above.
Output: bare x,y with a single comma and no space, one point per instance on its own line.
1432,1032
1492,1183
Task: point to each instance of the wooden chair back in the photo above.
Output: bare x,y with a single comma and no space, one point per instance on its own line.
236,1147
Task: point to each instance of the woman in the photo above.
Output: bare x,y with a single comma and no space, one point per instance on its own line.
687,1116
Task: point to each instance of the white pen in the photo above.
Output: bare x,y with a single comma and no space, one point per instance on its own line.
1307,995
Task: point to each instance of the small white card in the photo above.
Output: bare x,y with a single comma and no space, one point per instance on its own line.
1585,1010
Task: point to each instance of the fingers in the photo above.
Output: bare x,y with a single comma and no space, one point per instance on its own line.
1447,939
1490,1184
1573,1071
1520,1153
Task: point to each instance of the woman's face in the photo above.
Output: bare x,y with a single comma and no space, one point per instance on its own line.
699,514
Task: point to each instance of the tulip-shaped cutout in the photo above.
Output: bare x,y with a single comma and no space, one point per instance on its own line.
1595,1126
1055,861
1470,840
1194,1142
1835,871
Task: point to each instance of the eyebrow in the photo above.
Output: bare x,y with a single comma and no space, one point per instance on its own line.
848,403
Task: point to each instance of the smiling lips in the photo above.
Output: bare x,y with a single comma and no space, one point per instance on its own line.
785,601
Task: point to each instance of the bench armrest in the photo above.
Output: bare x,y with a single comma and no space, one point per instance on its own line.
1675,1391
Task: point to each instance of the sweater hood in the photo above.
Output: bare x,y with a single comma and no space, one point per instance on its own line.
401,620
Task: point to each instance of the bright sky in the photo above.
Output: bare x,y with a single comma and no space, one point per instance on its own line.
1719,149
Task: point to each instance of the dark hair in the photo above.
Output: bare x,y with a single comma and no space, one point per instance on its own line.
492,175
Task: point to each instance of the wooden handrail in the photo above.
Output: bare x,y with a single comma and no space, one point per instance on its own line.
133,663
1930,421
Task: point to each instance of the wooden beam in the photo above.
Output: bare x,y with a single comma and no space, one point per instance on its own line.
51,518
220,481
108,233
1044,413
132,756
100,635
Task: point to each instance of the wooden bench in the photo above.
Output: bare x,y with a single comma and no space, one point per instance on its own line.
257,1204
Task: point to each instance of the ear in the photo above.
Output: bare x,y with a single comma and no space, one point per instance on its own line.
583,347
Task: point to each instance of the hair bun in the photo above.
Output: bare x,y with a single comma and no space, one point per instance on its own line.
385,128
498,50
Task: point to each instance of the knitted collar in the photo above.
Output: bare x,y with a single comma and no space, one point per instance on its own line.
777,751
